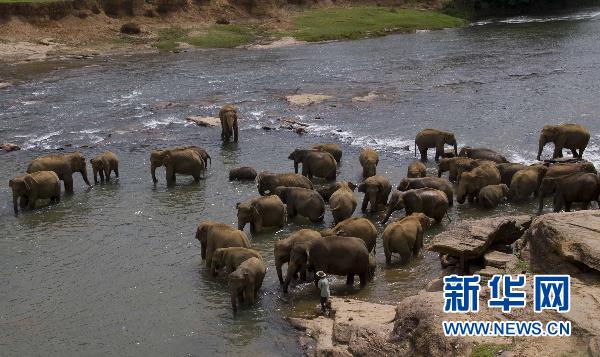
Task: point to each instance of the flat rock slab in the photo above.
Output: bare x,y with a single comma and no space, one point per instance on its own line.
204,121
500,260
4,85
306,99
366,98
558,238
470,239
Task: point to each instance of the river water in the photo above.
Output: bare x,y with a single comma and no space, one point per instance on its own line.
115,270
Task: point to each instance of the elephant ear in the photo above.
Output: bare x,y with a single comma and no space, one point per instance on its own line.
29,182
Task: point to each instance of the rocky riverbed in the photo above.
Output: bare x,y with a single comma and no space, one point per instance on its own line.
555,243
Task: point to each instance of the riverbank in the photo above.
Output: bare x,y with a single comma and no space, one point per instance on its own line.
60,30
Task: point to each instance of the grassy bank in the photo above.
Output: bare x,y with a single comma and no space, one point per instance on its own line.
314,25
366,21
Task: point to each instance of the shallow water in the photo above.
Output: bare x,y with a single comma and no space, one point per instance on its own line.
115,270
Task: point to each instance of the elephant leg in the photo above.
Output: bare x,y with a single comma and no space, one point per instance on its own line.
303,274
471,197
31,202
282,221
574,152
235,132
585,205
116,170
196,177
363,279
568,206
107,174
68,186
388,254
350,279
101,173
423,153
23,202
581,150
249,293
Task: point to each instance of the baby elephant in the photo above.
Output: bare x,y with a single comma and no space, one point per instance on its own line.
491,195
242,173
405,236
31,187
303,202
416,169
342,201
103,164
231,258
260,212
245,281
369,159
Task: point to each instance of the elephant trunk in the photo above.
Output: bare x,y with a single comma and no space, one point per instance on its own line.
295,166
388,213
241,225
15,202
234,300
541,201
153,172
278,264
542,143
455,149
85,176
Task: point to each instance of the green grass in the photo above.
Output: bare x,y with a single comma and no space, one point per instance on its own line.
366,21
217,36
487,350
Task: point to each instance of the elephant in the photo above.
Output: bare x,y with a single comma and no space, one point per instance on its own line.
261,212
416,169
342,201
358,227
229,123
245,281
475,180
434,138
183,162
430,201
242,173
562,169
282,248
376,189
314,163
369,159
571,136
526,182
581,187
491,195
456,166
37,185
432,182
507,171
157,157
303,202
482,154
64,165
268,182
333,149
231,258
298,263
214,235
341,256
405,236
104,164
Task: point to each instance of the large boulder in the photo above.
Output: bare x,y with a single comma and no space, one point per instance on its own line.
565,243
470,239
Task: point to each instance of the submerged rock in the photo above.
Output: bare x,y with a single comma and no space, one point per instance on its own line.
564,243
8,147
204,121
306,99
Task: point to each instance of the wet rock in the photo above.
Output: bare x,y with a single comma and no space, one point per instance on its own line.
470,239
131,28
565,243
8,147
300,131
204,121
267,128
366,98
5,85
306,99
222,21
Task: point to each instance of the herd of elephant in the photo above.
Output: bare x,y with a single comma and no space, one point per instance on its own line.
478,175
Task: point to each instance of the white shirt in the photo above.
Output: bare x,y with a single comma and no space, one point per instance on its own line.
323,285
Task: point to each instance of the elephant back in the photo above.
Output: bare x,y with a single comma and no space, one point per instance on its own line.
339,255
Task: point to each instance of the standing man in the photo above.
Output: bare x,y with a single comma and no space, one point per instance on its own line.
323,286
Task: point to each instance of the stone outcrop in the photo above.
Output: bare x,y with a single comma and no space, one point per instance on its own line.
204,121
470,239
8,147
565,242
